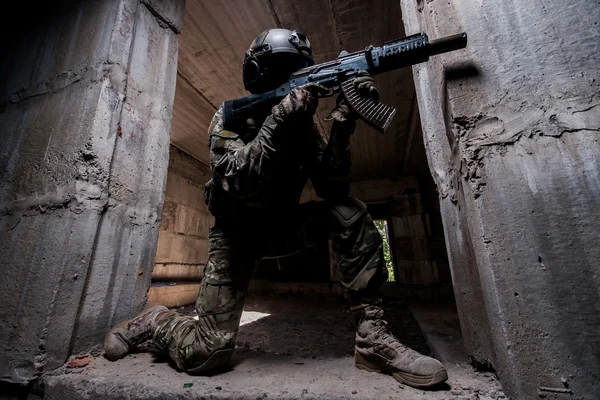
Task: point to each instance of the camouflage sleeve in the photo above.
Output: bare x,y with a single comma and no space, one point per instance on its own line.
331,173
240,168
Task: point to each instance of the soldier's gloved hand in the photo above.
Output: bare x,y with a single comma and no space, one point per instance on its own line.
365,86
300,103
342,111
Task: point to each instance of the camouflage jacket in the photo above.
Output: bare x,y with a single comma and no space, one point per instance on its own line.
263,170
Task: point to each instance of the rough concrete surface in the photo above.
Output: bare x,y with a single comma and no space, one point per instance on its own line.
289,347
511,127
85,114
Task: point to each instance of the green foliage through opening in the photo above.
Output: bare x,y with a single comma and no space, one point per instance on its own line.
382,227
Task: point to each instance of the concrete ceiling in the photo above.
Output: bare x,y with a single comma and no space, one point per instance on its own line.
216,34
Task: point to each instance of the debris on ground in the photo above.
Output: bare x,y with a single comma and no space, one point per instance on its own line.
302,346
79,362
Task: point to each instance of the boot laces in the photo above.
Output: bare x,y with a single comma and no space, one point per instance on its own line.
388,337
139,330
136,333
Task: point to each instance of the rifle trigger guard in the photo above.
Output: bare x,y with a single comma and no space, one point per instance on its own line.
330,93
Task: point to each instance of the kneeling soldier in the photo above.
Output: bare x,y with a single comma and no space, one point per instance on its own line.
258,174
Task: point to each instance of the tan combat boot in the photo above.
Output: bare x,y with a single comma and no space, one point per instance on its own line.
129,334
378,350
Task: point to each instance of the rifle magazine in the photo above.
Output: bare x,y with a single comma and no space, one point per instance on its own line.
375,113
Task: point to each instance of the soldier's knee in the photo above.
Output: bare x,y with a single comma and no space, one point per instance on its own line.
347,212
213,343
350,220
215,362
204,346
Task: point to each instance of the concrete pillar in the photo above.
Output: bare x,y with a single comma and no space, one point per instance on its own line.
85,116
511,128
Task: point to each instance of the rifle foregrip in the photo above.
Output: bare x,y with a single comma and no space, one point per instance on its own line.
373,112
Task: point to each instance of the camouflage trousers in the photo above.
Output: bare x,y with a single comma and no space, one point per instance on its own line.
234,250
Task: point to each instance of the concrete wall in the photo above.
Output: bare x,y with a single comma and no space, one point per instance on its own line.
183,237
85,114
511,128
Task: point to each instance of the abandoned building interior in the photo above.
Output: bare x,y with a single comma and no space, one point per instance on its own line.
485,189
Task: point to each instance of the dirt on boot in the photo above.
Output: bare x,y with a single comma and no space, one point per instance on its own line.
129,334
378,350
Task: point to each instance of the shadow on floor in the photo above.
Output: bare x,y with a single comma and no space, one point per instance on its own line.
312,326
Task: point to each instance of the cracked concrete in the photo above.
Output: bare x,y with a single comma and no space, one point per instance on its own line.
511,129
85,75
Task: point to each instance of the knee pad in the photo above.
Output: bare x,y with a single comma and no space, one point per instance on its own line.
211,345
372,273
346,212
218,361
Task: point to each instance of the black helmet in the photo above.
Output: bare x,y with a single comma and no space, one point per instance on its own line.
273,56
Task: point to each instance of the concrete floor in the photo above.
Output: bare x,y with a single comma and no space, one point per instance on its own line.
289,347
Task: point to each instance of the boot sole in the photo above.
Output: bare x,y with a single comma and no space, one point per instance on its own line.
219,360
418,381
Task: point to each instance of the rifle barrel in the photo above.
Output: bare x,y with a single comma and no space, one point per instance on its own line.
448,43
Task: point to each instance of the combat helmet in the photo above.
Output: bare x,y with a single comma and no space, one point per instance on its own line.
272,57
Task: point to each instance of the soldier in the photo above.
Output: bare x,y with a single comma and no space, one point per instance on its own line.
258,174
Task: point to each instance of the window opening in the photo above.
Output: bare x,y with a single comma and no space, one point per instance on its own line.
382,227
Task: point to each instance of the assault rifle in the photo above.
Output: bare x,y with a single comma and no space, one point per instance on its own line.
339,74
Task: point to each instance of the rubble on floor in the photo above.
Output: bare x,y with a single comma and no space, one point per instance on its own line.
289,347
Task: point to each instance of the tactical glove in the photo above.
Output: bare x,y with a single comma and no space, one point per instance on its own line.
365,86
300,104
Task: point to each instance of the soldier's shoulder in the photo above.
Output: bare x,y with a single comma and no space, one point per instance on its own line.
216,124
225,134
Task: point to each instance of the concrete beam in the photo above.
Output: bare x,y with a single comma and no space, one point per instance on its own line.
177,248
173,295
168,272
168,12
372,191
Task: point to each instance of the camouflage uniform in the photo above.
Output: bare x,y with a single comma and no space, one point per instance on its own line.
258,175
